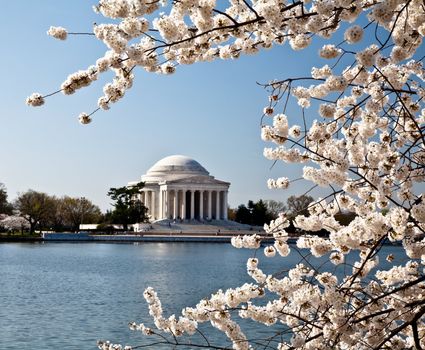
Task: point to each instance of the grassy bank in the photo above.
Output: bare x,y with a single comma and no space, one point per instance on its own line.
19,237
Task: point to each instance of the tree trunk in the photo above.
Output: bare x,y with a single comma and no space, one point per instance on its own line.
32,227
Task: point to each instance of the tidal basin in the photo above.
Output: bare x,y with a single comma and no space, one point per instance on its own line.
69,295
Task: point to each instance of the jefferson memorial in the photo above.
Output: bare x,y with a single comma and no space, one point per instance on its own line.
178,187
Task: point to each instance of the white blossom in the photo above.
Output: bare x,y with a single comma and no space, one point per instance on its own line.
84,118
353,34
35,100
329,51
58,33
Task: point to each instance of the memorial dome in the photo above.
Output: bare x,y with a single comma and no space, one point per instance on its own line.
176,165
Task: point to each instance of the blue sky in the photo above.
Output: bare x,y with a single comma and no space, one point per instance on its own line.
210,112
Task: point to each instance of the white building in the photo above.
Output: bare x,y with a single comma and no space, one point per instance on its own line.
178,187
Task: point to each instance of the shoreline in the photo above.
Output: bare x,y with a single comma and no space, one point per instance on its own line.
128,240
138,238
143,238
158,237
20,239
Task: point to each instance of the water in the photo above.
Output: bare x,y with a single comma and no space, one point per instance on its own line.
67,296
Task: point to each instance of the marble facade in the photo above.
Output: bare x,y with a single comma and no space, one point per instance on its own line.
179,188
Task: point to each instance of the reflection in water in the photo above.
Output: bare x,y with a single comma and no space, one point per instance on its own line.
69,295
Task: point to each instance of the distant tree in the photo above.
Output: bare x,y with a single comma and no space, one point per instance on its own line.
255,213
260,214
243,215
345,218
275,207
128,209
76,211
298,205
36,207
57,220
15,223
231,213
5,206
48,219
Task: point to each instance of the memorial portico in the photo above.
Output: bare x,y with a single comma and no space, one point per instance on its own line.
178,187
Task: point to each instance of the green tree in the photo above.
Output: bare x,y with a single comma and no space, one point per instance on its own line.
128,209
76,211
58,218
5,206
37,208
255,213
243,215
231,214
260,214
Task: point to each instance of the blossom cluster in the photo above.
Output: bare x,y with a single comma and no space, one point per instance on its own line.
35,100
14,222
58,33
175,326
281,182
107,345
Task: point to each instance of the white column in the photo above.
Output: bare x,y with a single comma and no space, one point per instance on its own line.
183,216
179,199
192,204
160,204
167,201
161,200
164,204
225,204
179,203
175,203
217,206
209,204
150,203
201,205
153,212
147,204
